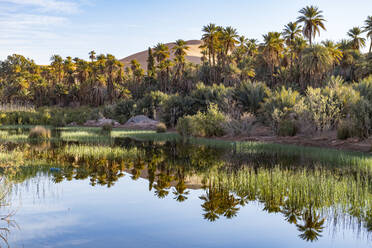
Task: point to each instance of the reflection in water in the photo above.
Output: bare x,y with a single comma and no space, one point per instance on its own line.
6,221
304,192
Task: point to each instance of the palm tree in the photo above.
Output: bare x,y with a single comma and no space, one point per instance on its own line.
57,65
161,52
137,70
316,62
272,48
210,38
252,47
179,50
333,50
112,66
92,55
368,29
357,42
229,37
313,20
291,31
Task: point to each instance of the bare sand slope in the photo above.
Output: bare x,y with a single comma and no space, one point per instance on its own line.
193,54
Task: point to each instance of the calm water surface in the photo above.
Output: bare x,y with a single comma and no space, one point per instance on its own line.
163,197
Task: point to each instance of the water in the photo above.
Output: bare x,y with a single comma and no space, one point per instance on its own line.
163,195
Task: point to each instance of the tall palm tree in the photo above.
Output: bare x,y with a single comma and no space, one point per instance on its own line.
291,31
252,47
210,38
57,65
357,42
313,20
316,62
92,55
179,50
230,39
271,49
161,52
368,29
333,50
112,66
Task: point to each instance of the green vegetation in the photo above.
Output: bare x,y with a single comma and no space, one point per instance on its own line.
285,82
39,132
161,128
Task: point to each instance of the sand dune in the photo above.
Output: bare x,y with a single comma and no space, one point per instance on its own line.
193,54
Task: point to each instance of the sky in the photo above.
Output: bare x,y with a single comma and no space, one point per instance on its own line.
38,29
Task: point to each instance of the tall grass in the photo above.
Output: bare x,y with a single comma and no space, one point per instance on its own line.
16,107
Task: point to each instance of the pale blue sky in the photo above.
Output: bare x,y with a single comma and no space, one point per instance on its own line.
41,28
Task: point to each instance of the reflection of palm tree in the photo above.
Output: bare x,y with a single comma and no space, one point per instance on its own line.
180,191
210,206
219,202
230,207
291,213
312,226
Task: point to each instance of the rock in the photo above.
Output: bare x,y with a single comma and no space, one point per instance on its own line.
141,119
72,124
141,122
101,122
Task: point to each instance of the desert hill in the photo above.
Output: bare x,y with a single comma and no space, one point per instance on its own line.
193,54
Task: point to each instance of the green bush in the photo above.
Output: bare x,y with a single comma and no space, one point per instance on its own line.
39,132
124,109
344,130
207,124
175,107
283,105
161,128
150,104
287,128
106,129
185,126
249,96
204,95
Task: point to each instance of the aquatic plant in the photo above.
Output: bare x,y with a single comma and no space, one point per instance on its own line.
39,132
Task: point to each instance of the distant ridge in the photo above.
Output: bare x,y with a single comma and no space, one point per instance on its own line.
193,54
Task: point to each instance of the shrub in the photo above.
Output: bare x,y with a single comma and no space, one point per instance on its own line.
150,103
161,128
329,105
176,107
96,115
344,130
283,105
204,95
185,126
206,124
124,109
106,129
287,128
361,117
249,96
39,132
236,127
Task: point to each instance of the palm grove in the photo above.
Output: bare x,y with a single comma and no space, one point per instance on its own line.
287,81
